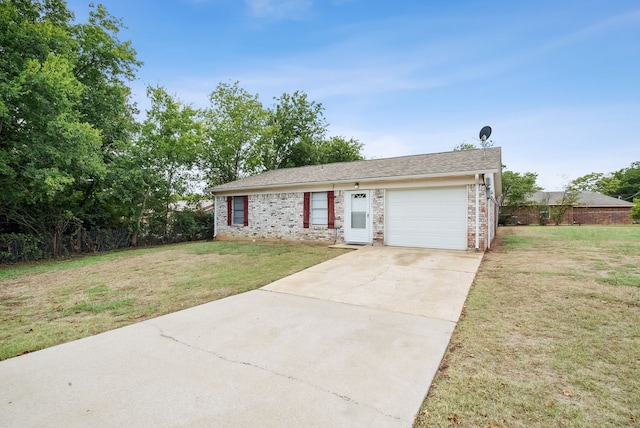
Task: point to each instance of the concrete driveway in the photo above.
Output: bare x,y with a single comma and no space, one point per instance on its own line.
354,341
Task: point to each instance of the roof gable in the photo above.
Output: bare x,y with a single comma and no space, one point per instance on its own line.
461,162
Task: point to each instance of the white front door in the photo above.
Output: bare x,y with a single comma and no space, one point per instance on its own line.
358,218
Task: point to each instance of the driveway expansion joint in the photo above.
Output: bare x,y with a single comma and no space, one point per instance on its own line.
361,284
273,372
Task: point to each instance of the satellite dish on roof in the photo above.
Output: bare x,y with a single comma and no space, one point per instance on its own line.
485,133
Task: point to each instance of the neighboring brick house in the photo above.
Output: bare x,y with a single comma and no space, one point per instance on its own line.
440,200
590,208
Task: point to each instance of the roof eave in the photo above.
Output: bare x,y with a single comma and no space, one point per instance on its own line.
263,187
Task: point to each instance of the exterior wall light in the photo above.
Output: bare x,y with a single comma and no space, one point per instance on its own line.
356,186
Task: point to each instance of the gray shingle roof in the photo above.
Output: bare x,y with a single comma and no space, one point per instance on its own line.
433,164
584,198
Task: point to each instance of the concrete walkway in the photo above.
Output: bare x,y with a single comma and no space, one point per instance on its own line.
354,341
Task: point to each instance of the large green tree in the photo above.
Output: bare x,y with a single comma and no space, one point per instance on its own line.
339,149
517,188
104,66
129,189
624,183
241,137
232,128
628,182
167,150
635,211
55,78
296,128
596,182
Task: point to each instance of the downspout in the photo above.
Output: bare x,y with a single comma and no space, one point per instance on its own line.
215,218
490,229
335,228
490,214
477,214
489,210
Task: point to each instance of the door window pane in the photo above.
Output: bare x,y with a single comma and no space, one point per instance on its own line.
358,220
359,211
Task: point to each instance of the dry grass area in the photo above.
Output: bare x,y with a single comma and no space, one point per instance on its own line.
550,334
47,304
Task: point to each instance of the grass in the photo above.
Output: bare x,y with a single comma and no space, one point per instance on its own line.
550,334
46,304
9,272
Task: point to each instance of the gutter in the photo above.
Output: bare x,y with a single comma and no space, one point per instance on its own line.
391,178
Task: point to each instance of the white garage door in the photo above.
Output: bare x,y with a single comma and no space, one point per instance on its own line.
428,218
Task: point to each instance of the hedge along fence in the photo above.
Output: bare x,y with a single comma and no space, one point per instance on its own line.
185,226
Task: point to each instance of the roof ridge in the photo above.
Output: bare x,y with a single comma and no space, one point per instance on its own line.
418,165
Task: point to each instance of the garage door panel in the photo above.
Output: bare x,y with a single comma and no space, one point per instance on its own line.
429,218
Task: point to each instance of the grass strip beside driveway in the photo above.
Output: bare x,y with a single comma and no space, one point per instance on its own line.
550,334
51,303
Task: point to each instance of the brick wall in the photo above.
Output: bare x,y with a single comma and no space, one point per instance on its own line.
604,215
580,215
471,217
377,211
279,216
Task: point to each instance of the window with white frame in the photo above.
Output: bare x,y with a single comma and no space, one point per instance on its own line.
319,211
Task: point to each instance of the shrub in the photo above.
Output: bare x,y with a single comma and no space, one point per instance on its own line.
20,247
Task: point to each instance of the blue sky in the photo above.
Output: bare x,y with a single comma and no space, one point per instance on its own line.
558,81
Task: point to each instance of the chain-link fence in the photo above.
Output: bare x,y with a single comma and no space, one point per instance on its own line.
184,226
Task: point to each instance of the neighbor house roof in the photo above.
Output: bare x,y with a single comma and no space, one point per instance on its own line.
461,162
584,198
204,206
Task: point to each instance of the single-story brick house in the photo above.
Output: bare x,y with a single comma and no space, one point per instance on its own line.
440,200
590,208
